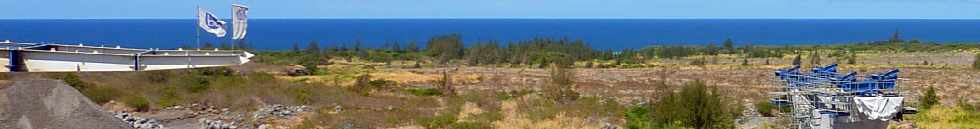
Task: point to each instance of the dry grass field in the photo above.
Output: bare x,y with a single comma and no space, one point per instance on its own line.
504,96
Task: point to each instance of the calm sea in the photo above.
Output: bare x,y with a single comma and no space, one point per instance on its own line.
600,33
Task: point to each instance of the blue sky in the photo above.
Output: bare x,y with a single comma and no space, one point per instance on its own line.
99,9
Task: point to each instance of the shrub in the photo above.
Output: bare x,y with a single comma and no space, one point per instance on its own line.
169,97
302,95
943,117
560,88
101,95
798,59
638,117
446,84
195,83
157,76
362,85
764,108
699,62
471,125
745,61
98,95
382,83
437,122
424,91
928,98
214,71
72,80
140,103
696,106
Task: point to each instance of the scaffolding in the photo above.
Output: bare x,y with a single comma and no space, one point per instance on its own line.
820,98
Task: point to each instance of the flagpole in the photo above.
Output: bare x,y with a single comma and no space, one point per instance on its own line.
233,25
197,29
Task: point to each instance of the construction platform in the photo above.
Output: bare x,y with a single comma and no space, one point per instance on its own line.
46,57
825,99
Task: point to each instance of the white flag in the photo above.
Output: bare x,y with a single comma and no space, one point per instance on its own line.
207,21
239,21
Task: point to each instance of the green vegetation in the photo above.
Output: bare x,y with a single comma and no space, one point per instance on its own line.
215,86
140,103
440,121
449,49
928,99
424,91
695,106
375,102
943,117
445,48
765,108
98,95
363,85
638,117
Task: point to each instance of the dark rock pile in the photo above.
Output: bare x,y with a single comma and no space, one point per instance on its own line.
139,122
278,110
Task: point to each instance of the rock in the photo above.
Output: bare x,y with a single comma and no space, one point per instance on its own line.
297,70
607,125
277,110
138,122
338,109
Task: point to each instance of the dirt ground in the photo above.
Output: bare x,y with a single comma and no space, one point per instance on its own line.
948,73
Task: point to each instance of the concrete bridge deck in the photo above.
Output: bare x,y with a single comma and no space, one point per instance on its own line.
43,57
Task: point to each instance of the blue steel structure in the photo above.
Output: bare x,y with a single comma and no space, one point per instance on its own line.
823,98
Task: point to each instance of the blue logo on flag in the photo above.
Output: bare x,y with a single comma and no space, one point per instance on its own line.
213,22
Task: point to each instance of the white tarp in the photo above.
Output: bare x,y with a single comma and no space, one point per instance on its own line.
881,108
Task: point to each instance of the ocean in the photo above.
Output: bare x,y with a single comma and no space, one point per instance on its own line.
272,34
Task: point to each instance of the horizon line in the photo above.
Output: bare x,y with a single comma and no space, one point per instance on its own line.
528,18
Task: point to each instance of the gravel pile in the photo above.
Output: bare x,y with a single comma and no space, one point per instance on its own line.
51,104
139,122
278,110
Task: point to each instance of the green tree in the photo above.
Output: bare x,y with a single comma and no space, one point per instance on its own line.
445,48
396,47
412,47
729,45
711,49
296,47
928,98
313,48
896,37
